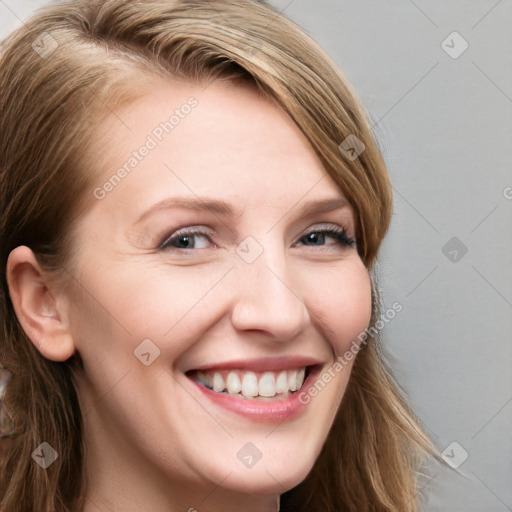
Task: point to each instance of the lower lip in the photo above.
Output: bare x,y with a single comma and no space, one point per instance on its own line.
261,411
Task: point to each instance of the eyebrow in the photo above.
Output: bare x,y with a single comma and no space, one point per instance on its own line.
191,203
225,209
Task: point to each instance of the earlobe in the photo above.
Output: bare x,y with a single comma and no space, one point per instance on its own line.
38,306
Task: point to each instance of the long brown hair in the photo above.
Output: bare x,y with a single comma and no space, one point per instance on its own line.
61,75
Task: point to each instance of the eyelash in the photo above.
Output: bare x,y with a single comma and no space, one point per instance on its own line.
333,231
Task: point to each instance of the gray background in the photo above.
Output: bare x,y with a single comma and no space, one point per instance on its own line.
445,126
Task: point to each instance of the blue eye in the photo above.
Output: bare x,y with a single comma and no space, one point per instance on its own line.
320,237
186,240
195,239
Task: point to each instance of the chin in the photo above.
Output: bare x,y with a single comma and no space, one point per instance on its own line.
277,471
261,482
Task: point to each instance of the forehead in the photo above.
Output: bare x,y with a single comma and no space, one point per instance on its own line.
224,141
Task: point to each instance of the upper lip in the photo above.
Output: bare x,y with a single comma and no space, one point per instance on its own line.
262,364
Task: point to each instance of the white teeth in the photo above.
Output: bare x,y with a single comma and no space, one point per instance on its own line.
250,385
218,382
282,382
205,380
292,381
201,378
245,383
233,383
300,377
267,385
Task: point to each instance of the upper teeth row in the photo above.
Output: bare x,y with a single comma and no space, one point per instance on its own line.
246,383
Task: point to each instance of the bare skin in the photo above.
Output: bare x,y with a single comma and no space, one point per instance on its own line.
154,440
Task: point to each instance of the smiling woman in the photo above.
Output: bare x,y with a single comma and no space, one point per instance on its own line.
201,334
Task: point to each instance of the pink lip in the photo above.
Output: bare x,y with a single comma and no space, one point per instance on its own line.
263,364
263,411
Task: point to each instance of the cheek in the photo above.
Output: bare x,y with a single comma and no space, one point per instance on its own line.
343,304
128,303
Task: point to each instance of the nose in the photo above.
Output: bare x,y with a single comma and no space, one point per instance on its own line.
269,300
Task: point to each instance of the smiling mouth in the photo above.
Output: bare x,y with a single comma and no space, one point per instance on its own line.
250,385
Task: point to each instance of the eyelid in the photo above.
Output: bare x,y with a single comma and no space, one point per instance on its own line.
194,230
329,226
204,231
324,226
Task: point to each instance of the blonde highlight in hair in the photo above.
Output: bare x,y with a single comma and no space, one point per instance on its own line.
49,110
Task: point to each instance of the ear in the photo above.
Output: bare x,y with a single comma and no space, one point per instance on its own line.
40,310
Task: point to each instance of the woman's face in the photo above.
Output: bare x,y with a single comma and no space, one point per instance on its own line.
220,258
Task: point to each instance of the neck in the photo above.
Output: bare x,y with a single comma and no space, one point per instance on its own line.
114,496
